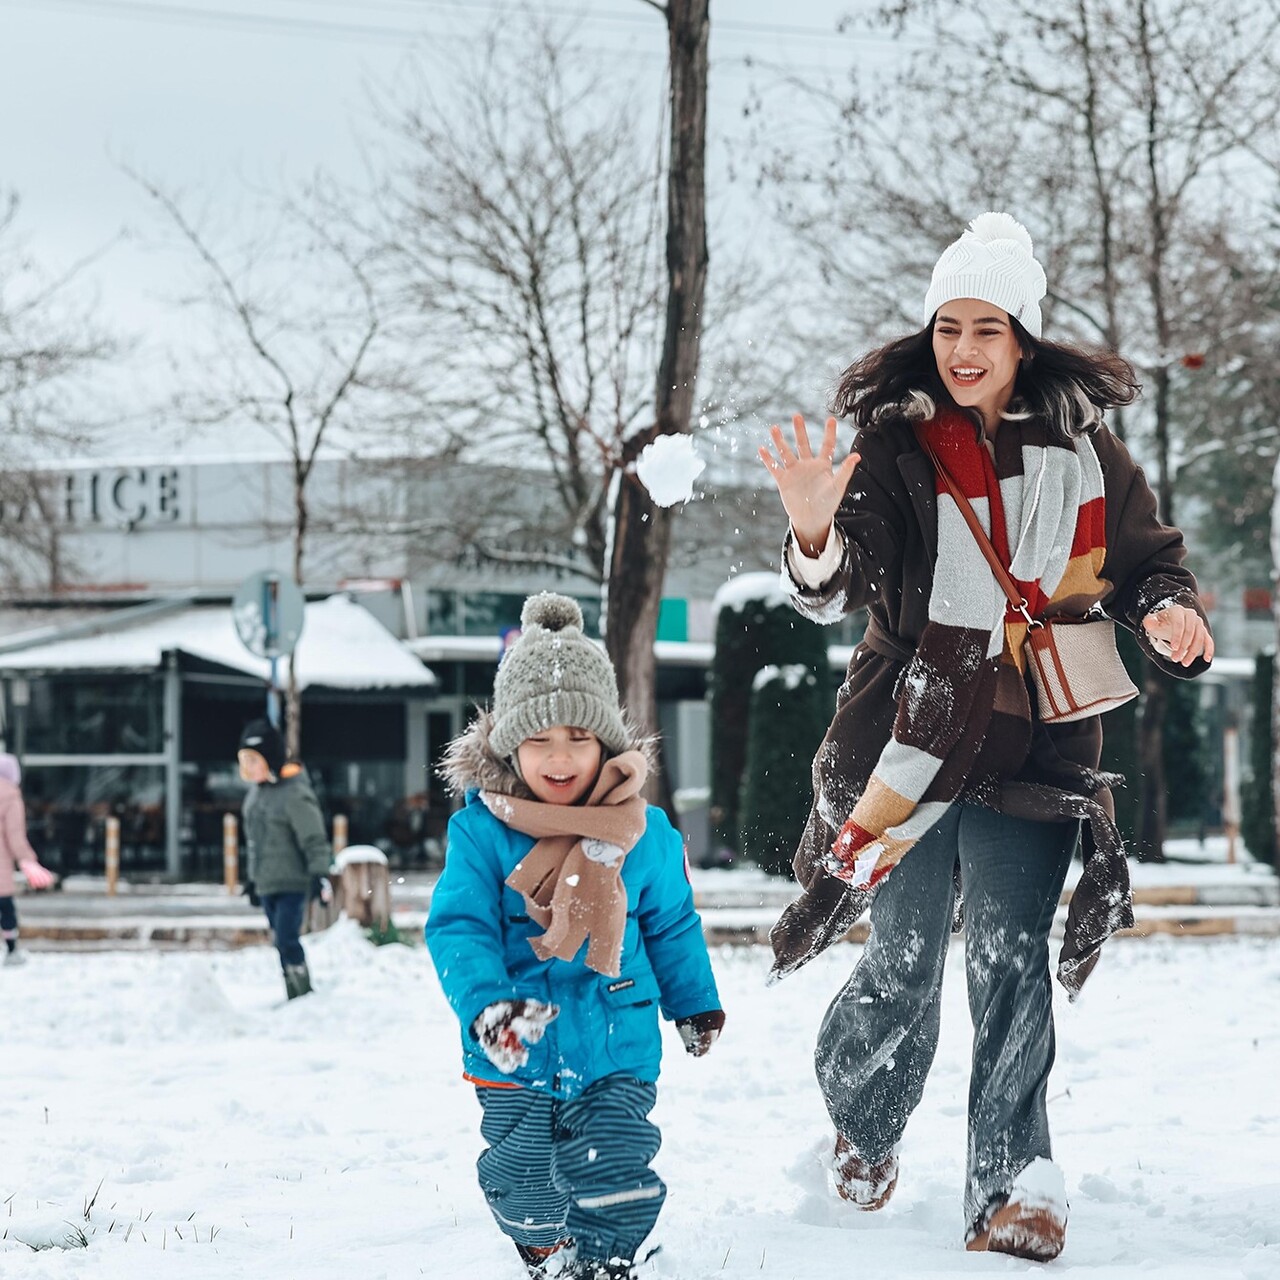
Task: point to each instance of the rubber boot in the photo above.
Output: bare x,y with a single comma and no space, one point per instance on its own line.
539,1259
297,980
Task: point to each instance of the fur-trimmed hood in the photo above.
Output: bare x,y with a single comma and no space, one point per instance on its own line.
470,761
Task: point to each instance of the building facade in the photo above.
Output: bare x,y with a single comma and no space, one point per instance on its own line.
116,699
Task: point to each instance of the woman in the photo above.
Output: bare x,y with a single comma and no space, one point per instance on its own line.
937,756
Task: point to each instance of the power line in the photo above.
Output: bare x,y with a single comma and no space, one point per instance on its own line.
740,26
189,15
194,15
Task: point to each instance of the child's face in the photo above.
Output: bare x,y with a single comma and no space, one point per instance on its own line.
253,766
560,764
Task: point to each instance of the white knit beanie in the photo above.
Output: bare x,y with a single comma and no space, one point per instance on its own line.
993,262
554,675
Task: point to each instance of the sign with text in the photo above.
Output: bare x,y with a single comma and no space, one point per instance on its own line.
119,497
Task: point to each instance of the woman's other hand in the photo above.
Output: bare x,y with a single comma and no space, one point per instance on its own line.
1182,630
810,484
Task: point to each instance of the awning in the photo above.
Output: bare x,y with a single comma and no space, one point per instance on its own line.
343,646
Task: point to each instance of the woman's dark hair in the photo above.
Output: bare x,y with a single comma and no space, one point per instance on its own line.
1068,386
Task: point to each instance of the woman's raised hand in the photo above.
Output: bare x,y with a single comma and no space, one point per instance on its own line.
810,484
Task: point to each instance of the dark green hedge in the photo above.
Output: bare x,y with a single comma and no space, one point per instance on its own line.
755,634
789,716
1185,762
1257,800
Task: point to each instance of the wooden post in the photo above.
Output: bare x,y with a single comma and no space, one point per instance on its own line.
340,829
230,852
112,849
366,886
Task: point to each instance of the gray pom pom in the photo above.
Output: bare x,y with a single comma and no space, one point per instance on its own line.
554,612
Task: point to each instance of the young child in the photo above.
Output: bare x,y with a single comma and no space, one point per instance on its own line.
562,923
15,852
289,852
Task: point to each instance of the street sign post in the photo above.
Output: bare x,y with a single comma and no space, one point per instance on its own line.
268,612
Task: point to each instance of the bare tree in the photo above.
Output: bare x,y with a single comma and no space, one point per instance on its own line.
50,345
1126,133
522,220
642,529
297,349
528,224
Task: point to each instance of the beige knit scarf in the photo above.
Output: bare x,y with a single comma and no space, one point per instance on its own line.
572,877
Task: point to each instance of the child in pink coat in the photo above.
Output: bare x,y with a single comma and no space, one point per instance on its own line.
15,853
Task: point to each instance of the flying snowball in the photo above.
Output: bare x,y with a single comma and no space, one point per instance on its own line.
667,467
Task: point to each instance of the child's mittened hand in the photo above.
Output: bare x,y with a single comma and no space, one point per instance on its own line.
38,877
700,1031
507,1029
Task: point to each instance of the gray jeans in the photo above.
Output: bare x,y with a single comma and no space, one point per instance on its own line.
879,1036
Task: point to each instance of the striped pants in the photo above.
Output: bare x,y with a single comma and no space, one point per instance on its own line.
576,1169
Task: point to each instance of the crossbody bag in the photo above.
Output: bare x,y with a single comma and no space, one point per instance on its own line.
1074,663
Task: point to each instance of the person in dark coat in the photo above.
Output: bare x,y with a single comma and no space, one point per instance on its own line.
289,851
938,765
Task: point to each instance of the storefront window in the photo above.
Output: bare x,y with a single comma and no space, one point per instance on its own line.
68,807
489,613
442,613
105,715
370,794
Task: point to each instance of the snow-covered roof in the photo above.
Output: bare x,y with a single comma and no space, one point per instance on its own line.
673,653
456,648
343,646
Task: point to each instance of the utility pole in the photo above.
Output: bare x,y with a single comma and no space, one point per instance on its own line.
641,529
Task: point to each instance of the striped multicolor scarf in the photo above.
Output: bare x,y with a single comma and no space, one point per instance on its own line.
1041,504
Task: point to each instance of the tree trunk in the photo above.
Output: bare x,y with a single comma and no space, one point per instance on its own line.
292,696
1153,800
641,529
1152,791
1275,672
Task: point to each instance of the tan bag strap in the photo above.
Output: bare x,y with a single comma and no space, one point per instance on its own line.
1003,577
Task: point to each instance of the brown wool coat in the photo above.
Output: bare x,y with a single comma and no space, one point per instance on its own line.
889,522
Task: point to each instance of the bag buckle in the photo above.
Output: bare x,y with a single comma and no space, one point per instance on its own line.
1033,624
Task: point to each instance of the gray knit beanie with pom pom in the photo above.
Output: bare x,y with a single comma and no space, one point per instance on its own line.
554,675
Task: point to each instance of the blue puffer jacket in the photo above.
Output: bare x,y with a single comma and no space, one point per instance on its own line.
478,935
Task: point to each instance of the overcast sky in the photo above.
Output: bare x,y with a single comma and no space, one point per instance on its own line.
203,94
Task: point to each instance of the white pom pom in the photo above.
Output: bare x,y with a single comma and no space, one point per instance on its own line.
552,611
1000,226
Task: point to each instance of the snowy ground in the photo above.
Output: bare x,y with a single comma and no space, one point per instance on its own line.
225,1135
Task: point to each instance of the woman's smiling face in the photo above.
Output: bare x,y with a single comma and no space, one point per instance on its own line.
977,353
560,764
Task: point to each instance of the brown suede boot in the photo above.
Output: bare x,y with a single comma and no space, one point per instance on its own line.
866,1186
1032,1222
